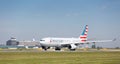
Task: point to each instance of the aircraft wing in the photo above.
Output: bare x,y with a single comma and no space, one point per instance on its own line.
89,41
100,41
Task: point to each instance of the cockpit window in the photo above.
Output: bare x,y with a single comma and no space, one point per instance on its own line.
42,40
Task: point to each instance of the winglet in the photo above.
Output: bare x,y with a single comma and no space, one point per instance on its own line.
114,39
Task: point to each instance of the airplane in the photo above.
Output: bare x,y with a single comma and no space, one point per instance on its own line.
70,43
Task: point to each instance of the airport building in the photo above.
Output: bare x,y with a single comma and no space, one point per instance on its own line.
29,43
12,42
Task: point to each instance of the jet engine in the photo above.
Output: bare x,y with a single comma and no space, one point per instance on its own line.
72,46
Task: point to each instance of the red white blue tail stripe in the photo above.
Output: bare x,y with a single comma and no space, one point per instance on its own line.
83,36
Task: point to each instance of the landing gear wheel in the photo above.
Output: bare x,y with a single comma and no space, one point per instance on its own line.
43,47
72,49
57,48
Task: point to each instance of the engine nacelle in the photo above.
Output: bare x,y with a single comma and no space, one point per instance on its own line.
72,46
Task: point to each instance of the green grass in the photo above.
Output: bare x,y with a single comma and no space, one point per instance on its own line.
59,57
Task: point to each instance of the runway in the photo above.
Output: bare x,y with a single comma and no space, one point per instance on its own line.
62,50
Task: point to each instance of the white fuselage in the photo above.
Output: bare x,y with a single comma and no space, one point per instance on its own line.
55,42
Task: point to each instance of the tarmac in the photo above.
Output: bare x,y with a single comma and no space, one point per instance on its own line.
62,50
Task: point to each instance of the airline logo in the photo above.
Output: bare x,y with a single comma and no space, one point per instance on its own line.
83,36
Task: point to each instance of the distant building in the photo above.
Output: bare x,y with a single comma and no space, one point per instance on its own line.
28,43
12,42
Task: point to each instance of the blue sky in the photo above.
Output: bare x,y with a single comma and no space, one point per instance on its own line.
27,19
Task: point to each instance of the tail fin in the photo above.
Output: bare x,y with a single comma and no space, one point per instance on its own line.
33,39
83,36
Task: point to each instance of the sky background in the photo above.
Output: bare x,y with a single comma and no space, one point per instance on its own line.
27,19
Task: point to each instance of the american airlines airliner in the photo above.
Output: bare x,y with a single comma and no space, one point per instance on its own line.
70,43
